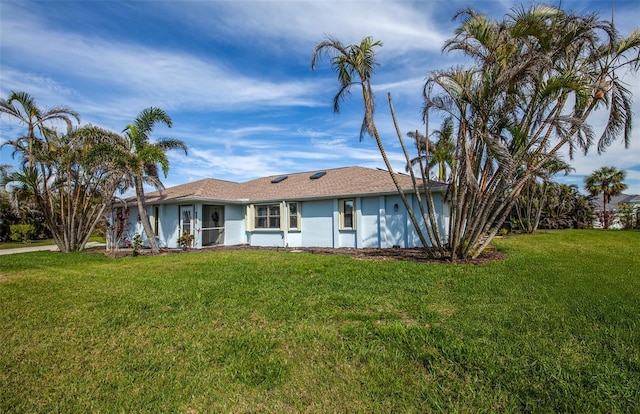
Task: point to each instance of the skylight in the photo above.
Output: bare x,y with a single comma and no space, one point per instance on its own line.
279,178
317,175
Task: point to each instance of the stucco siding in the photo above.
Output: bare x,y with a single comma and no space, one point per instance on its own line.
293,239
266,238
317,223
234,228
395,230
169,227
133,226
413,239
369,228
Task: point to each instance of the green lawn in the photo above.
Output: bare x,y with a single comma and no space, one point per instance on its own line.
554,328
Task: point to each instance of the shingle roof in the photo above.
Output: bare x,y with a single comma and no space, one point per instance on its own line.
337,182
632,199
208,188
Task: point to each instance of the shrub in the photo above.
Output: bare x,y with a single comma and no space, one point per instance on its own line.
137,244
627,216
23,233
186,240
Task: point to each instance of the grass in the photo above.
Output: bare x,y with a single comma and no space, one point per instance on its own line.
555,327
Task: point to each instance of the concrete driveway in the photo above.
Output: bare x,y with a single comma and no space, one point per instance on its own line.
52,248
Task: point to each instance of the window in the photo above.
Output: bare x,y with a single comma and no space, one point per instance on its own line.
317,175
294,217
347,214
186,215
267,216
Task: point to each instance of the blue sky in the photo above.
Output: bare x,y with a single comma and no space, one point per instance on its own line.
235,76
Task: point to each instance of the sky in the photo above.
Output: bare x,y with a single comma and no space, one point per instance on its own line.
235,76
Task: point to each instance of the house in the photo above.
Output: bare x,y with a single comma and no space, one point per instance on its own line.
614,206
342,207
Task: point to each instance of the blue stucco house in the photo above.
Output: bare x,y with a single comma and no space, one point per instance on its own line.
343,207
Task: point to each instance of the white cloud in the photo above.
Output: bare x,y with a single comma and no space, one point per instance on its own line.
170,79
286,24
250,114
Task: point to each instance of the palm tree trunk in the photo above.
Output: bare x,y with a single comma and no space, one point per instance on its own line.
403,197
541,202
431,225
605,216
144,217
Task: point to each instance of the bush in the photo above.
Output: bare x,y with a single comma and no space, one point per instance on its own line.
23,233
186,240
137,244
628,216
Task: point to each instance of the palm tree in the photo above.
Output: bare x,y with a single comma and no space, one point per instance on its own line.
22,107
21,187
66,187
538,75
355,65
140,158
533,197
443,154
609,182
424,147
438,154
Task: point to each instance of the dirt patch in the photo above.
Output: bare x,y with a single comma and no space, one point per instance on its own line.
407,254
396,254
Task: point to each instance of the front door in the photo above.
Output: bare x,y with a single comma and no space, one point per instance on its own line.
186,219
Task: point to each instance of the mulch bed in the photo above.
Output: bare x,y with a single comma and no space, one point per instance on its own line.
397,254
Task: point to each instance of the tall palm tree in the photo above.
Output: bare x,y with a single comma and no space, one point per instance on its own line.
538,74
140,158
440,153
66,187
355,65
424,148
609,182
22,107
443,154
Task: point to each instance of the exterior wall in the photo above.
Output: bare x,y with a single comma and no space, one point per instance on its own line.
293,238
168,227
369,222
134,227
266,238
381,221
442,217
318,223
234,229
395,232
168,232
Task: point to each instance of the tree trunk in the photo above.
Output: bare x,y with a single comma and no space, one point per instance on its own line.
605,216
144,217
